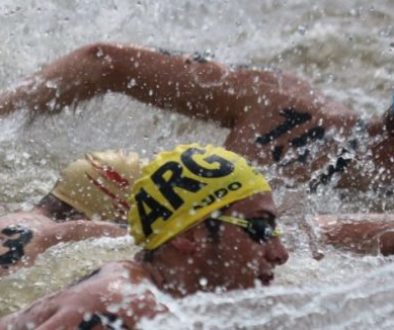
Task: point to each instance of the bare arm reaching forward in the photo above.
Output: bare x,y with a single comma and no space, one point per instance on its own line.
271,114
188,84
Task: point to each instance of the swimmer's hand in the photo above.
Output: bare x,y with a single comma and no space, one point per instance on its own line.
106,297
73,78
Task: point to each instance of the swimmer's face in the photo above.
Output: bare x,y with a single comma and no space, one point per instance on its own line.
242,258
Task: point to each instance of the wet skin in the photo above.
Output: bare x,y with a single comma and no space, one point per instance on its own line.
363,233
85,305
231,261
25,235
273,117
263,256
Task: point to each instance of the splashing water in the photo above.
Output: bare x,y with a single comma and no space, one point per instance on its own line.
341,47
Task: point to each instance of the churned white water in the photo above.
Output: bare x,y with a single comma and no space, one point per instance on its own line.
345,48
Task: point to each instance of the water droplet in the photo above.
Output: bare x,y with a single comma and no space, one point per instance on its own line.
203,281
132,83
215,214
25,155
51,84
302,29
100,53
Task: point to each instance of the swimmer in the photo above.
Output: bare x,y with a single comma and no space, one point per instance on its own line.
93,188
205,220
273,117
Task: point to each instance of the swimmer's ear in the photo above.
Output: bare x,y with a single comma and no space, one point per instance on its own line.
183,244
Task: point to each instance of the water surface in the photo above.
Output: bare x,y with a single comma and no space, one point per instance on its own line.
344,48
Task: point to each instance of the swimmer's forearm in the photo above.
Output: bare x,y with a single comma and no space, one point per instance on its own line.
12,99
67,81
363,233
83,229
80,304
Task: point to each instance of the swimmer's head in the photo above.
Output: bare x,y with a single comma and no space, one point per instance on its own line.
182,187
98,185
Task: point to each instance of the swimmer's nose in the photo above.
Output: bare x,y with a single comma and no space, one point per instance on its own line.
276,253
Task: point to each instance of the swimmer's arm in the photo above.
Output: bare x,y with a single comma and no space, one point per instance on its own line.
187,84
361,233
20,244
107,292
21,239
79,230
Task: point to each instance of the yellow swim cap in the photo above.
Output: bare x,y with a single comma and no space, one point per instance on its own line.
179,188
99,184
